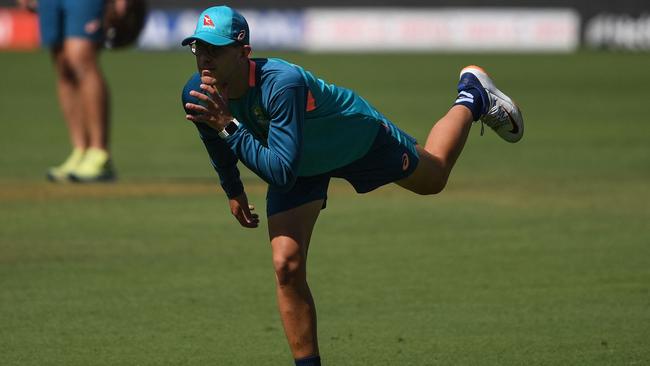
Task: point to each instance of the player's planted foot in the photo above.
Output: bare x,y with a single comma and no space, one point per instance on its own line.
500,113
95,167
60,173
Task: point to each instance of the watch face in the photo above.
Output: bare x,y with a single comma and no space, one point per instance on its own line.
231,128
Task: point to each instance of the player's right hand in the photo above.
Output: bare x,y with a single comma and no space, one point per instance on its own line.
243,211
214,109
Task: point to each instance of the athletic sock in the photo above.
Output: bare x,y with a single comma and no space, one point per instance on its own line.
472,98
308,361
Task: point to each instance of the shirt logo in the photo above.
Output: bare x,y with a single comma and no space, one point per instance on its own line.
93,26
207,22
259,123
261,118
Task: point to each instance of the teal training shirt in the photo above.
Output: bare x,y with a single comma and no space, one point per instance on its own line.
294,124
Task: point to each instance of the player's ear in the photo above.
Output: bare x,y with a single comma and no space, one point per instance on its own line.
246,50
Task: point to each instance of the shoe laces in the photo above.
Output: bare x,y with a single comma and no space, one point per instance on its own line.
495,118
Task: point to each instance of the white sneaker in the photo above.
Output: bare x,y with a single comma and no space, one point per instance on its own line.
502,115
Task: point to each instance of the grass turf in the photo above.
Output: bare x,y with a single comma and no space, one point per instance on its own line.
536,254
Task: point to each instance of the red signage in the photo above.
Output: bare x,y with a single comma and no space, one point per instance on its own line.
18,30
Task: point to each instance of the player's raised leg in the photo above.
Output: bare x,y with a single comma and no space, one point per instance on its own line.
290,232
438,156
478,99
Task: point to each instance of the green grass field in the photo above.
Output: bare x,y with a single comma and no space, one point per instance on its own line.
537,253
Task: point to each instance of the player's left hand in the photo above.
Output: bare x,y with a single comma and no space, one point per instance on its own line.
243,211
214,112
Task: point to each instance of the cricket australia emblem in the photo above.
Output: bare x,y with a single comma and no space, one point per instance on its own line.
261,119
207,22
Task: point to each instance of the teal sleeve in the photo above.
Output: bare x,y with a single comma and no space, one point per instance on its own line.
277,161
223,160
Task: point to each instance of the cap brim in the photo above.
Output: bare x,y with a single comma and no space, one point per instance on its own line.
211,38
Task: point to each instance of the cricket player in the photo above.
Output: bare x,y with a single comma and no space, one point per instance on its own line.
296,132
73,31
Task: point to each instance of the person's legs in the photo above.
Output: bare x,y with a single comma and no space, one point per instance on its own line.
67,85
290,232
82,90
52,28
73,29
83,97
68,92
81,57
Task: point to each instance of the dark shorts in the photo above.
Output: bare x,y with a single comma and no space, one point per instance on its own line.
391,157
61,19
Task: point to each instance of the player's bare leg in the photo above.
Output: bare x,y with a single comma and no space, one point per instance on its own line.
82,58
478,98
290,232
68,91
437,158
67,86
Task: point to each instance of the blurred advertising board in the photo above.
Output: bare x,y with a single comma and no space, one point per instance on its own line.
18,30
270,29
368,30
357,29
618,31
452,29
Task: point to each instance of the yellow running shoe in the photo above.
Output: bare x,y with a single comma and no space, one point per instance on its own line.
60,173
94,167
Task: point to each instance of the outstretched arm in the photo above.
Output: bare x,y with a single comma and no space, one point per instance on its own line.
224,161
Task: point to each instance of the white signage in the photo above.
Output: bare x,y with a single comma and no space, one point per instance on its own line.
618,31
442,29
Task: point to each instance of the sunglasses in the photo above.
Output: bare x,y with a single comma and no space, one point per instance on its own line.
202,48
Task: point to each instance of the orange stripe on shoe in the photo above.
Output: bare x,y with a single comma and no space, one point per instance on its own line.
251,73
477,67
311,102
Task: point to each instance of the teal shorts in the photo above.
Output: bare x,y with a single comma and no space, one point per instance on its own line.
391,157
62,19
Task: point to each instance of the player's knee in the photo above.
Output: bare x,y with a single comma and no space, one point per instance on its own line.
80,66
288,269
66,72
437,186
431,187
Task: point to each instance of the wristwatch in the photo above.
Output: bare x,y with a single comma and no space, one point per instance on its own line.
230,129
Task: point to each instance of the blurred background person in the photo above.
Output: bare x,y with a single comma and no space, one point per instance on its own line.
73,31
